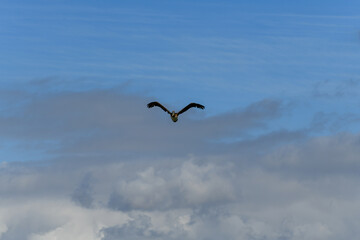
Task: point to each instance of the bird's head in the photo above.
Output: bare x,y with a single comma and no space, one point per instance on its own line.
174,116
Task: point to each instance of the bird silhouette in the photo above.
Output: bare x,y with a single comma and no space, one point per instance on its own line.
174,115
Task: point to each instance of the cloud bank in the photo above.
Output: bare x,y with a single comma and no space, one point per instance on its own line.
113,169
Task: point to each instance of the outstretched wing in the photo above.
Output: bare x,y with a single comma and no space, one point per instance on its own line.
190,106
153,104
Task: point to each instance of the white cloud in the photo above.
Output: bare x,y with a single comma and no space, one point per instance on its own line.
189,200
114,177
187,185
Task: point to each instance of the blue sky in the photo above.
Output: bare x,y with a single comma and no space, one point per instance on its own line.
234,51
225,55
273,156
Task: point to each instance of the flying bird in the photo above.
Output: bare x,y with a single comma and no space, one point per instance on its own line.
174,116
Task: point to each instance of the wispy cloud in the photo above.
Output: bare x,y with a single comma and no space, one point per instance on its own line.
336,89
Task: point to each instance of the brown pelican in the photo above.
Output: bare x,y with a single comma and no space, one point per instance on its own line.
173,114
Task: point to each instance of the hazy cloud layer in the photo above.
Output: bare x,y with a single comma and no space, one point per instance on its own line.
336,89
108,122
113,169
